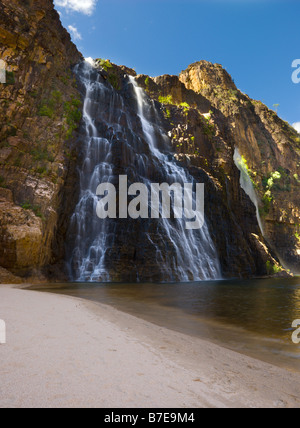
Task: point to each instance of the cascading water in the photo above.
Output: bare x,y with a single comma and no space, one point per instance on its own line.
247,185
122,136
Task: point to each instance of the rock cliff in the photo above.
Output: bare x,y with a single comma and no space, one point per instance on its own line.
39,109
271,152
204,140
206,117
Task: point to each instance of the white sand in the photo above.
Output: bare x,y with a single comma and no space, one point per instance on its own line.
65,352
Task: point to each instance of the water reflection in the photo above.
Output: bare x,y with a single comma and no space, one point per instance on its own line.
253,316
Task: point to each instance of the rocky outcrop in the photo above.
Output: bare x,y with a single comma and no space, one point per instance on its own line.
271,151
40,109
202,140
206,118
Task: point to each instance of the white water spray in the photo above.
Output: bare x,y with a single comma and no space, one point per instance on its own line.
123,139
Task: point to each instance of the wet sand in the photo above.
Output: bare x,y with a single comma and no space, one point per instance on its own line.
67,352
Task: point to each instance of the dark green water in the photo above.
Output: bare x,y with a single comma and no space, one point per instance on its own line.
250,316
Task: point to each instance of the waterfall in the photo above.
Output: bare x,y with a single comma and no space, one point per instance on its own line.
122,135
247,185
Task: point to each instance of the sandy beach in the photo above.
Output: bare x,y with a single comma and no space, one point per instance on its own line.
67,352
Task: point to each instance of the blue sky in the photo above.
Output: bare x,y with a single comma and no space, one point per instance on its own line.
255,40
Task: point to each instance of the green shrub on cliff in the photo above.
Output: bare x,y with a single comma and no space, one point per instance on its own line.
166,100
209,128
18,161
104,63
279,180
252,174
233,95
41,154
186,107
272,269
35,208
267,202
274,176
42,170
56,98
271,182
296,177
71,110
50,106
72,115
168,114
2,182
114,81
46,111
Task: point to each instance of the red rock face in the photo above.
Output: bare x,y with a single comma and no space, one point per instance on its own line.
269,145
201,111
35,140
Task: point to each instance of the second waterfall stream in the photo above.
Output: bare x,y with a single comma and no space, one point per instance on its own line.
121,135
